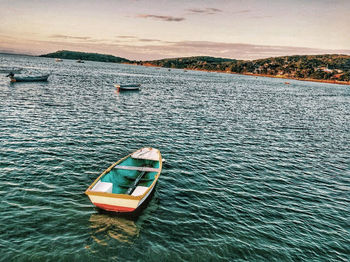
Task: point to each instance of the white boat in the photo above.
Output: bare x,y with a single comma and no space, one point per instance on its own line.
126,184
128,87
58,60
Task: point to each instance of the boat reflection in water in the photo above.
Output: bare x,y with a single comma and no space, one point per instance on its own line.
105,227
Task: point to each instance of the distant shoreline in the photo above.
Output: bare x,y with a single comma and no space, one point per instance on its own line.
301,79
294,65
252,74
327,68
306,79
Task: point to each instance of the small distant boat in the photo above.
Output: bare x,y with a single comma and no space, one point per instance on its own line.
128,87
126,184
58,60
287,83
27,78
80,61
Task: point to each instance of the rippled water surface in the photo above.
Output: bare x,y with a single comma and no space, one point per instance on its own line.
256,170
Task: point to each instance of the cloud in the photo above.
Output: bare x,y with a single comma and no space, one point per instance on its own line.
150,50
161,17
242,11
218,49
149,40
131,38
245,51
126,36
208,11
261,16
78,39
213,11
70,37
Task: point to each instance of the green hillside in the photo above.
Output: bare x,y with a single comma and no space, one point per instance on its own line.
64,54
194,62
327,67
321,67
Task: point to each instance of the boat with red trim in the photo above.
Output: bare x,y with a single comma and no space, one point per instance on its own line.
126,184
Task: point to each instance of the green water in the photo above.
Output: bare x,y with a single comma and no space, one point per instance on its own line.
255,170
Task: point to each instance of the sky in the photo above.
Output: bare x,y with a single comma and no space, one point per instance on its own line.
155,29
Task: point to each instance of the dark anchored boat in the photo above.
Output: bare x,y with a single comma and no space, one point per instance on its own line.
128,87
126,184
27,78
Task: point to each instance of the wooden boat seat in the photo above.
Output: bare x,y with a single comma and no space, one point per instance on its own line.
138,168
139,190
105,187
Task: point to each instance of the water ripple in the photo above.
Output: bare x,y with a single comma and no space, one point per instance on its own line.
255,170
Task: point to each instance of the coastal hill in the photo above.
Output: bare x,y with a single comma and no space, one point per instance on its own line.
329,67
321,67
65,54
194,62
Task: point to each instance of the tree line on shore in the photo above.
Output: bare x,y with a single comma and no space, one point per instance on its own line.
327,67
322,67
65,54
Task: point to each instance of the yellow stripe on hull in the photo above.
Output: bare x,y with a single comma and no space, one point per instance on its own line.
114,201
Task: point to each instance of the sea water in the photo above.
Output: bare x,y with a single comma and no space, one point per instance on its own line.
256,170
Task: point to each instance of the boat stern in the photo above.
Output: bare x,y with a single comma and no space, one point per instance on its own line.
121,203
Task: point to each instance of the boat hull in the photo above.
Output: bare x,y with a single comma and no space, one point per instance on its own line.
118,205
30,79
117,209
130,87
108,191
